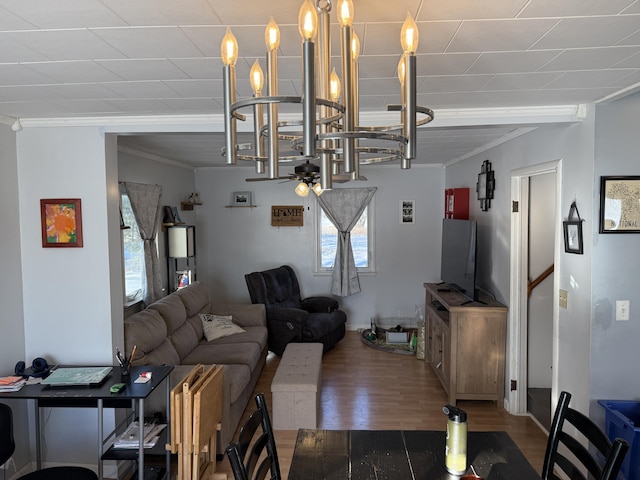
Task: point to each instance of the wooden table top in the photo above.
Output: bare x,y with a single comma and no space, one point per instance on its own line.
402,454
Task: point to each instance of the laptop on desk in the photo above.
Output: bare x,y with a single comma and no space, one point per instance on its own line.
77,376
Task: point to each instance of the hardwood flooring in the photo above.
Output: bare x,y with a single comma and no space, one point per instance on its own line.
368,389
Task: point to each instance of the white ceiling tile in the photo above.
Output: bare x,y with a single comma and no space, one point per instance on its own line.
630,62
75,14
383,39
379,86
18,74
633,39
148,42
9,21
368,11
31,109
553,97
519,81
14,51
194,88
143,69
208,39
634,7
372,66
164,12
193,105
445,64
85,91
199,68
453,83
589,32
141,106
512,62
87,107
631,79
499,35
19,93
250,12
587,79
571,8
75,72
470,9
589,58
141,89
65,44
435,36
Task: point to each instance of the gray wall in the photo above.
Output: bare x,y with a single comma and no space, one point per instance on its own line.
616,264
236,241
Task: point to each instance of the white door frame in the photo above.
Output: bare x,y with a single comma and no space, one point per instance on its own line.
517,364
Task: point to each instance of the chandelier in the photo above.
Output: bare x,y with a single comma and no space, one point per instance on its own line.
329,129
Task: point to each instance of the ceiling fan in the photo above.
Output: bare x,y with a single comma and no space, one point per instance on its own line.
308,173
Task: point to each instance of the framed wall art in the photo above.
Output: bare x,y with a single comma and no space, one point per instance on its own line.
573,231
407,212
620,204
241,199
61,222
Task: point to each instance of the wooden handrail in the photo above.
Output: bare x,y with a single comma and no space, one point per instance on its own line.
533,284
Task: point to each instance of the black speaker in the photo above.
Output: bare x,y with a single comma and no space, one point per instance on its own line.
39,368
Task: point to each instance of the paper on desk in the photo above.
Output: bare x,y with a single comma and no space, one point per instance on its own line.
129,439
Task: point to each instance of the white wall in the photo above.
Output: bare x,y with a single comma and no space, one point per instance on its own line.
236,241
68,316
575,146
12,340
616,264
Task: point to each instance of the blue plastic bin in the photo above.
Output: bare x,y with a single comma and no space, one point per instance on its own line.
622,420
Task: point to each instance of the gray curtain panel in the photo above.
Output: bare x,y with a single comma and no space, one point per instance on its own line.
343,206
145,203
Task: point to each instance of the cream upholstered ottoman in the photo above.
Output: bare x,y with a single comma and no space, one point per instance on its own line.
295,387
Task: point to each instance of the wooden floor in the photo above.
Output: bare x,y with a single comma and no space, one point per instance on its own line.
368,389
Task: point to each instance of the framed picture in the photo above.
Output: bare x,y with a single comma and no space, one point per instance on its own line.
241,199
407,212
573,237
61,222
620,204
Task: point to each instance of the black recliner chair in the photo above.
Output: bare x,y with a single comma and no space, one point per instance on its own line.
291,318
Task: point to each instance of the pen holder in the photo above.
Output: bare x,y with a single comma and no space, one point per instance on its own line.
124,370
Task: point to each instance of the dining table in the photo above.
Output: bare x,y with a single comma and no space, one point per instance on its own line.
402,455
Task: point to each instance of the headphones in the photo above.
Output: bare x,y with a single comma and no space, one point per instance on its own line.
39,368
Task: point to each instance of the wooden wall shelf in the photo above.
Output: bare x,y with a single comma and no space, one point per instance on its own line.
187,206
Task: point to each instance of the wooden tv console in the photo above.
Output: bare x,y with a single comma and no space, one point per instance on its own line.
465,344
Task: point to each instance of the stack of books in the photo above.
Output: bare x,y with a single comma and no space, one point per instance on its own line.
131,438
11,383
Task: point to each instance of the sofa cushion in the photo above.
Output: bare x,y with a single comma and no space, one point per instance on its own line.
218,326
238,377
172,311
148,332
195,298
225,354
257,335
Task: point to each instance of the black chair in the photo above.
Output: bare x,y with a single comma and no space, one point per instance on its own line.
245,454
612,453
8,446
290,318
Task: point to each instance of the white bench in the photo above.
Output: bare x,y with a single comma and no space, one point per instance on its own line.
295,387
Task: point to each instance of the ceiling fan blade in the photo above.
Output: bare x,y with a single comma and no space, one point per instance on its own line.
266,179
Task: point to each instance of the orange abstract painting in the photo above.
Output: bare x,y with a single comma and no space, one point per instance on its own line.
61,222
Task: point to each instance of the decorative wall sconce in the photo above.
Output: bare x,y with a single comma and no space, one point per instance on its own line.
485,186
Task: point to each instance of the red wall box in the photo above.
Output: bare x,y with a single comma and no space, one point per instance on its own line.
456,203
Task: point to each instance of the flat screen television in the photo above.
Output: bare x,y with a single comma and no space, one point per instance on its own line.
459,249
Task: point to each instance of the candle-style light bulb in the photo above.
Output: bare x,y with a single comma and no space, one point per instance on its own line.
401,69
334,85
409,35
355,46
345,12
256,77
302,190
308,20
229,48
272,35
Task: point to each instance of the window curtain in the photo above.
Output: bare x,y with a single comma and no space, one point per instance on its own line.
343,206
145,203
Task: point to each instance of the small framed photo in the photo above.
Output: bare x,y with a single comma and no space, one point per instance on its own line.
620,204
573,236
241,199
61,222
407,212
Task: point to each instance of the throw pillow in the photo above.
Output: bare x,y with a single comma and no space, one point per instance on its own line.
218,326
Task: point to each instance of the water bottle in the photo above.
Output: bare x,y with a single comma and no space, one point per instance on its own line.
456,447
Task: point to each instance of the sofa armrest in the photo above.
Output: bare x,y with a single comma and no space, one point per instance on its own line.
319,304
245,315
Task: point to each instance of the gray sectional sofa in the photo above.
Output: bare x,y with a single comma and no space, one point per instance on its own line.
170,332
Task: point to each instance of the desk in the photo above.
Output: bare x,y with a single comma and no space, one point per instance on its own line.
98,397
392,455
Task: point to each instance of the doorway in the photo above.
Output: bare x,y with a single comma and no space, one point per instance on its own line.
534,252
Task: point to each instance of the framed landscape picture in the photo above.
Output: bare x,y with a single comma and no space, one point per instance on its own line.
61,222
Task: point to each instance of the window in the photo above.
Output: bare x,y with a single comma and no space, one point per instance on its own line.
133,252
361,242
